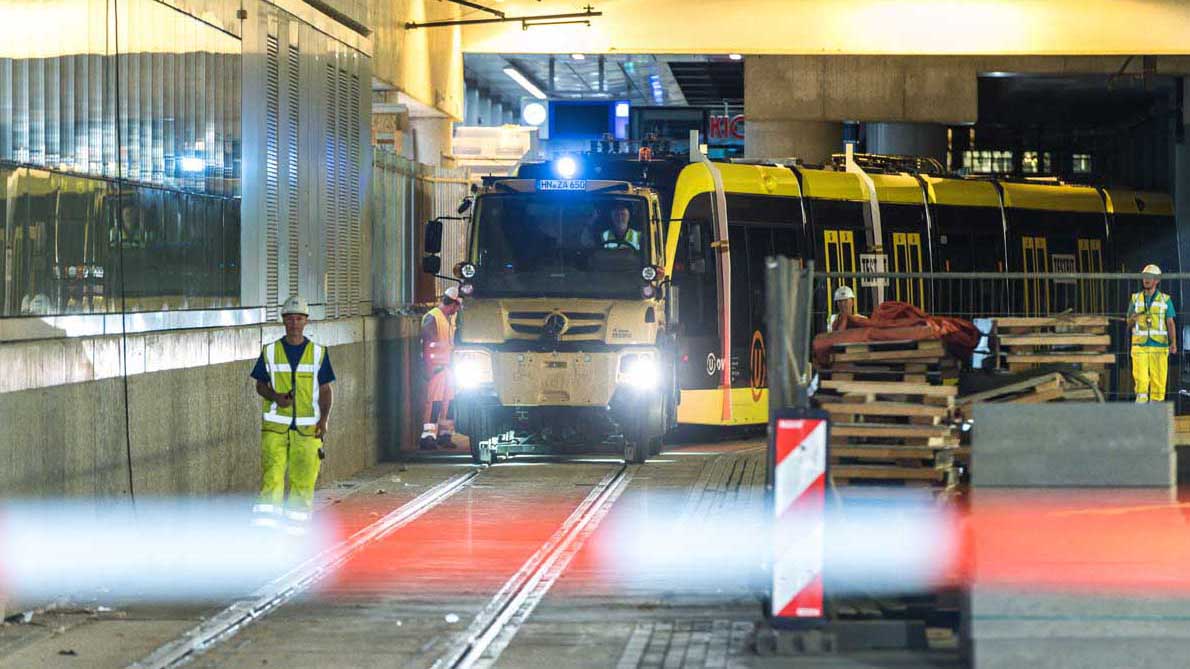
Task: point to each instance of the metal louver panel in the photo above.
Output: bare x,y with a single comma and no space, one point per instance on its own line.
271,176
354,266
345,188
332,194
293,213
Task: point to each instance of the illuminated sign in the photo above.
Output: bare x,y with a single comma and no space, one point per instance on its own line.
727,127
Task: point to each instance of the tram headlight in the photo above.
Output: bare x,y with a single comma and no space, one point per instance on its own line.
467,270
639,370
472,369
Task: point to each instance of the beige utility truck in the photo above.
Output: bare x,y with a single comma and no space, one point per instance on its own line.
564,343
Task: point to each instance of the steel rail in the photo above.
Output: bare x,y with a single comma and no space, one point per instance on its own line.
242,613
495,626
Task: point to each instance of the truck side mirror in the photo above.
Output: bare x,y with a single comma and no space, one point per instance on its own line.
431,264
433,237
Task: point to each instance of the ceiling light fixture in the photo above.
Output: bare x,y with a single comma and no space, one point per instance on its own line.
578,56
735,56
521,79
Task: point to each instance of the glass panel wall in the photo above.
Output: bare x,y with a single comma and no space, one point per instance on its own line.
119,157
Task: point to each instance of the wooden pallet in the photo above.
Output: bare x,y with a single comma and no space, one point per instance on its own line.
927,350
877,388
845,475
1067,322
1023,343
921,456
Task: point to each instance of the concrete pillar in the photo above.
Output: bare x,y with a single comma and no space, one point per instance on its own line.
470,105
497,113
1181,179
925,140
431,139
485,110
812,141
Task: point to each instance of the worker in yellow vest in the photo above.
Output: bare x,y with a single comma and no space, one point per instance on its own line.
437,344
1154,337
293,377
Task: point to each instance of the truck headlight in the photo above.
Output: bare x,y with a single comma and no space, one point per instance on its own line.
472,369
639,370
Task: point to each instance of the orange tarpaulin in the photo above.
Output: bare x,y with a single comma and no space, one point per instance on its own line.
900,321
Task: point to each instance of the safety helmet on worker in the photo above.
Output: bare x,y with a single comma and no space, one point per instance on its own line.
844,293
296,304
452,294
1151,270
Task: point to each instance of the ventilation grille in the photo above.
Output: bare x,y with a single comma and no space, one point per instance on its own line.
271,175
292,193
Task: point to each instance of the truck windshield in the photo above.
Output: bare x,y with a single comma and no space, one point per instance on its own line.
560,244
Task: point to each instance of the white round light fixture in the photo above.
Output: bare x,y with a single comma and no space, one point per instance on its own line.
533,113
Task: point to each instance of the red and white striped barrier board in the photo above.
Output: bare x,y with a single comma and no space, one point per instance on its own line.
799,505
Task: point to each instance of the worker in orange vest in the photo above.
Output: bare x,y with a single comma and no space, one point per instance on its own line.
437,343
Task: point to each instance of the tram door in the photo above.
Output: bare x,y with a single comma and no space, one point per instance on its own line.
1092,293
907,257
838,255
1035,290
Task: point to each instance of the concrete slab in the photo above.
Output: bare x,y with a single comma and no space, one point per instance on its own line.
1073,445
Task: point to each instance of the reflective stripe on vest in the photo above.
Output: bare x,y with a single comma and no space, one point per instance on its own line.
1150,323
631,237
305,393
440,348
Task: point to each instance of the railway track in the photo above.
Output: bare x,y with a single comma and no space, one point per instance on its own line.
242,613
496,625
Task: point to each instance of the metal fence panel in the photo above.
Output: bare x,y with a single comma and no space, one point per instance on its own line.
984,297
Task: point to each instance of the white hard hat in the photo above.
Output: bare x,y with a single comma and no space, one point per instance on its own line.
1151,269
453,293
295,305
844,293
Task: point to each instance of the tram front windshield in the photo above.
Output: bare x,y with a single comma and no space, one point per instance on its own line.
565,244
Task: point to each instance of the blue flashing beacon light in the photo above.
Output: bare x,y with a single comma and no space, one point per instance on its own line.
566,167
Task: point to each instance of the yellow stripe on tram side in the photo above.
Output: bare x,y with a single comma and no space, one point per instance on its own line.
704,407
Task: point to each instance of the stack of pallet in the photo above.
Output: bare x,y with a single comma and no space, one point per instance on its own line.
891,413
1026,342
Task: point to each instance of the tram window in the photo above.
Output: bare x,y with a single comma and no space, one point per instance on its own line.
694,245
741,293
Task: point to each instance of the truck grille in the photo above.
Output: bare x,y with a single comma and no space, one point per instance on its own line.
581,324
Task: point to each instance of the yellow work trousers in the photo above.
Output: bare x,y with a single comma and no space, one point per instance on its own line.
1150,366
299,454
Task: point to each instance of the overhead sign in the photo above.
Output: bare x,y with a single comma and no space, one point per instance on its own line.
562,184
873,263
727,128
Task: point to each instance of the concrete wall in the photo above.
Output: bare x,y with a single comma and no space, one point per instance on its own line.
425,64
192,428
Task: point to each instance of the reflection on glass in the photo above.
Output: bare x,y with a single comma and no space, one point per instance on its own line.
119,156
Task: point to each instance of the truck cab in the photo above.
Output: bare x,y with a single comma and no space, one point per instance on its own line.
565,338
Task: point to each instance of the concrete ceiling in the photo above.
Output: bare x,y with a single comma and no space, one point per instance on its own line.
833,27
680,80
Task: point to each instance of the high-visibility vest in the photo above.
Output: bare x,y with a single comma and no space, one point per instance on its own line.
437,352
1150,320
611,241
304,383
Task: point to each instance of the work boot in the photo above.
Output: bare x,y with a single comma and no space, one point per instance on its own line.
445,440
428,441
